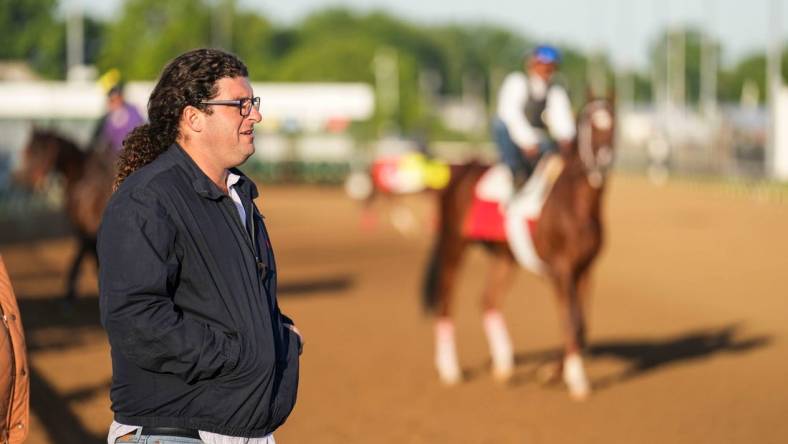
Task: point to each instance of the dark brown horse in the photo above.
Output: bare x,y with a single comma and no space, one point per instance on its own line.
87,178
567,238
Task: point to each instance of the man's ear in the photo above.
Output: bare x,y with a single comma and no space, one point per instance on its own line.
193,119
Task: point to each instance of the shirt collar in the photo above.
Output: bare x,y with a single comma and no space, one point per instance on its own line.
203,185
232,179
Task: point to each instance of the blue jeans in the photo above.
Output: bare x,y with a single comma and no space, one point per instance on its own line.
139,438
513,156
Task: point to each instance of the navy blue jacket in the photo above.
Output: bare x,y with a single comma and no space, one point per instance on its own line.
188,299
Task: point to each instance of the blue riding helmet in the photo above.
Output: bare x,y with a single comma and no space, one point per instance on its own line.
546,54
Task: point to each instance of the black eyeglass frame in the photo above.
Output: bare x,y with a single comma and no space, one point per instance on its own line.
239,103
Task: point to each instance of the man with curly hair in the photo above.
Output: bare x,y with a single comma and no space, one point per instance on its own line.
187,280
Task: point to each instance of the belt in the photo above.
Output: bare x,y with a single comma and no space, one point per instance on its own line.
171,431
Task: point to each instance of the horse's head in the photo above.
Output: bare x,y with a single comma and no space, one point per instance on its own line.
595,139
43,153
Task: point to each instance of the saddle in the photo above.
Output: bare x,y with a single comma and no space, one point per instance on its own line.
502,214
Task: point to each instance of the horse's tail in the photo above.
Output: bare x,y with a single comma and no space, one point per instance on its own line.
447,247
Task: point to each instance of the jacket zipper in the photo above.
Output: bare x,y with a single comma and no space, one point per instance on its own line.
7,330
250,242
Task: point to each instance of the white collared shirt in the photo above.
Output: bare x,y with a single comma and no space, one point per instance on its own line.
233,179
512,98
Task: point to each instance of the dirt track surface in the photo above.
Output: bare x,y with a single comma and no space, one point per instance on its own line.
688,330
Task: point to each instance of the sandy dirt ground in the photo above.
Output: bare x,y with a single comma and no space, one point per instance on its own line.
687,341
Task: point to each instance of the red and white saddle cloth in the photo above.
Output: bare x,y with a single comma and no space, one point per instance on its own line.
499,214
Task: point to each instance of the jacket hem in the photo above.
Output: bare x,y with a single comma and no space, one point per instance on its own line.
188,423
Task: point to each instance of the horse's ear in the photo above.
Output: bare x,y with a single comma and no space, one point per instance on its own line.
39,128
590,96
611,96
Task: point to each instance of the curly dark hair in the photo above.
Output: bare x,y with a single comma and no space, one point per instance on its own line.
187,80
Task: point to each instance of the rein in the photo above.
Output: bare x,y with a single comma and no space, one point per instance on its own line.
596,163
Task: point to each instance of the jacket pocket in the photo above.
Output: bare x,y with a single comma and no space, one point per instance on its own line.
287,371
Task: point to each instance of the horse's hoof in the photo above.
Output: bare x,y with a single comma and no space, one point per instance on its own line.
575,378
450,378
579,393
500,345
502,374
448,368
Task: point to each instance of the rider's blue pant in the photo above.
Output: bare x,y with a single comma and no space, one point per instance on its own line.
512,155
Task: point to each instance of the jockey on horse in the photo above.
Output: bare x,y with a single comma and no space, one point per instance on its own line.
553,226
534,113
119,120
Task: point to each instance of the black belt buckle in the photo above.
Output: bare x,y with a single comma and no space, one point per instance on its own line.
171,431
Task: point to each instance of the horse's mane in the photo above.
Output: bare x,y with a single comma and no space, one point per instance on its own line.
47,135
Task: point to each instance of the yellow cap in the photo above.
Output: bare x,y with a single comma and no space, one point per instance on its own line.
109,79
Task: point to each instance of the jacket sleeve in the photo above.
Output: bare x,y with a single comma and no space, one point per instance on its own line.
13,361
138,270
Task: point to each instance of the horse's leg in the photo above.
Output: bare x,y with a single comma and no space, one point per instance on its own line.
93,250
571,316
584,301
83,248
369,217
446,361
500,279
403,219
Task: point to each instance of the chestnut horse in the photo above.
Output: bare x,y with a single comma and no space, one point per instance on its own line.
87,177
567,238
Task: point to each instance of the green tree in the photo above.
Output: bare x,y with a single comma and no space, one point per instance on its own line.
479,51
149,33
752,68
339,45
30,32
252,40
692,40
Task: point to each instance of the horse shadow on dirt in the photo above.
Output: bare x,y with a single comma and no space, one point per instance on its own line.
53,324
643,356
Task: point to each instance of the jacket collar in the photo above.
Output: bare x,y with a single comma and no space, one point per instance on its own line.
200,181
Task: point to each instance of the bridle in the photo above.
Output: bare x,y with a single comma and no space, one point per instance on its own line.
595,163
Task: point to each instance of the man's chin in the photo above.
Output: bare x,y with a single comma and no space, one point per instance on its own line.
247,153
242,154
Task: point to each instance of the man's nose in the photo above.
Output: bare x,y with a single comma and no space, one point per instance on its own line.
256,115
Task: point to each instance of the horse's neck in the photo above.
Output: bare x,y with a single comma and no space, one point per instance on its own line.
70,162
586,197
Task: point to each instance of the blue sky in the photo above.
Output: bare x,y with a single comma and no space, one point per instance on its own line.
625,28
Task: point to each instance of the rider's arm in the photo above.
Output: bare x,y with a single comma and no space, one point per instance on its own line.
511,106
558,115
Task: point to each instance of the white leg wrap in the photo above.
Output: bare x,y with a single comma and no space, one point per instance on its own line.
575,377
500,345
446,353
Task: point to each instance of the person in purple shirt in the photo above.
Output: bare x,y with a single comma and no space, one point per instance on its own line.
120,119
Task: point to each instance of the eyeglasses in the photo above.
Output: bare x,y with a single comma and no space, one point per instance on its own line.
244,105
